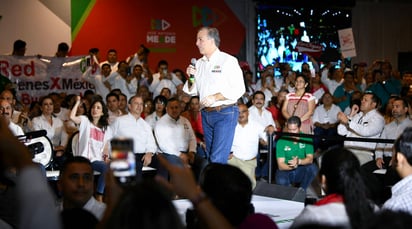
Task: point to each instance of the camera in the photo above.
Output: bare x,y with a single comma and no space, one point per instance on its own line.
123,162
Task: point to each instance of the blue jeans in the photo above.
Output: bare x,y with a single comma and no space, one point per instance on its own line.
101,167
173,159
200,151
303,174
219,130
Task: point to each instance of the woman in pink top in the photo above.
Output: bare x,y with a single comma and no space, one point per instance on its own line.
300,103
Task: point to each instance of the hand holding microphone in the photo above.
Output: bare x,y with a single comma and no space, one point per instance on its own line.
191,70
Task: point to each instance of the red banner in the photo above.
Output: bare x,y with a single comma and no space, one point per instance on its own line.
167,28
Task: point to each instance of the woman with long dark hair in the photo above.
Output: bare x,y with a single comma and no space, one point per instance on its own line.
345,204
94,137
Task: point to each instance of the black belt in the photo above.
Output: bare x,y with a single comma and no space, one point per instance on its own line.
218,108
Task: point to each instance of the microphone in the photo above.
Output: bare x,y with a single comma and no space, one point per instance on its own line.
191,76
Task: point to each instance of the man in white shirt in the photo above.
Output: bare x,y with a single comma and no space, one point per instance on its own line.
248,134
97,78
140,57
176,138
76,184
112,101
219,84
259,114
334,81
9,95
325,120
123,103
401,199
383,151
136,78
117,80
111,59
392,130
134,127
6,111
163,79
59,111
368,123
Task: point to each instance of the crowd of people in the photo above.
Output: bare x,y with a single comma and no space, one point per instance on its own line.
324,125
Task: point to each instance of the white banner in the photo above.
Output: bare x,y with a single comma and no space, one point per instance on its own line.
35,77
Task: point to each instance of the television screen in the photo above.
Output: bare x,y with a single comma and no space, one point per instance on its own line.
289,34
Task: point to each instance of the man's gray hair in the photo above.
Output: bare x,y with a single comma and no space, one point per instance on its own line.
212,33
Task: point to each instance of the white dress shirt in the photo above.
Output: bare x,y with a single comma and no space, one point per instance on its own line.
152,119
401,199
246,141
157,84
137,129
113,66
95,207
220,73
15,129
264,119
369,125
329,83
321,115
174,137
117,81
391,130
97,80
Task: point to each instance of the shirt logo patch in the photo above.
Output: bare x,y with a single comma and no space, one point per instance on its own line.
216,69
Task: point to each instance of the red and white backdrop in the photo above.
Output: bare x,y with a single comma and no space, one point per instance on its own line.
168,28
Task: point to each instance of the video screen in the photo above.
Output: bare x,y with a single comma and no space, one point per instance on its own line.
281,31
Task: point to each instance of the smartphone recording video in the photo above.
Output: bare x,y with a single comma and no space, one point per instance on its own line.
123,163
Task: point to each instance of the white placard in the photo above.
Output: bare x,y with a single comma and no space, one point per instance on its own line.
347,43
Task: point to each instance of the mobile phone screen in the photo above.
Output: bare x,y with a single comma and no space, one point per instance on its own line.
123,162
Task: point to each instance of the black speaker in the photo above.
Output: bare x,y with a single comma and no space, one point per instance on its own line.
405,62
280,192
